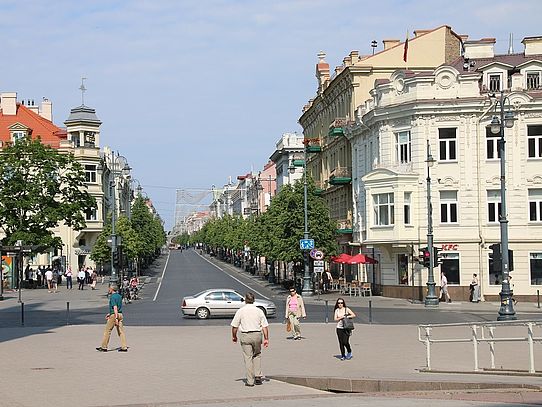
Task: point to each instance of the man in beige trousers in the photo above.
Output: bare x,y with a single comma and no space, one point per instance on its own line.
250,322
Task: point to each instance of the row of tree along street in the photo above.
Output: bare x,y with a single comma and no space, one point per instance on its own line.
274,234
41,187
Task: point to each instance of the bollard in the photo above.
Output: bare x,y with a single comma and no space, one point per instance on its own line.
67,313
538,297
370,312
22,313
327,315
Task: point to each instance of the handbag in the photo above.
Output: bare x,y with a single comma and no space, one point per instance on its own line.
288,326
348,324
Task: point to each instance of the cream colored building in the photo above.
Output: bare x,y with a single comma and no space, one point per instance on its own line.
326,116
450,109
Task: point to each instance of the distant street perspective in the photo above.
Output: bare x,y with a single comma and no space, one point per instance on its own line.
248,203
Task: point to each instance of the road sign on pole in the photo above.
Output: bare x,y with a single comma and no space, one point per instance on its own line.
306,244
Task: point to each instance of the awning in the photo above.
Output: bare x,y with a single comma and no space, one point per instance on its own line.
342,258
361,259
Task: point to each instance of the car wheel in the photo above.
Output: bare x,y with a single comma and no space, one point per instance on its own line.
202,313
264,311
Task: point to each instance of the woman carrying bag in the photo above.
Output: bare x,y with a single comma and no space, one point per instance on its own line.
295,309
343,315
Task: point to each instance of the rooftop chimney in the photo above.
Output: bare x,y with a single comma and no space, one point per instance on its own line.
390,43
322,71
8,103
47,109
533,45
483,48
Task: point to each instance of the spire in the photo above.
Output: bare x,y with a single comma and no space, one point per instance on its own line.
83,90
511,44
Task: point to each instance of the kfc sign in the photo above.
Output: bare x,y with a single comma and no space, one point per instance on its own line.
448,247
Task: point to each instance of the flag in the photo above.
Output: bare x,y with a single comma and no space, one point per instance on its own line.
405,52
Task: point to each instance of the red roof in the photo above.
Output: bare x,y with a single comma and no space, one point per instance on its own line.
39,126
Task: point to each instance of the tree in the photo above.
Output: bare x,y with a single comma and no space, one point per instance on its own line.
39,188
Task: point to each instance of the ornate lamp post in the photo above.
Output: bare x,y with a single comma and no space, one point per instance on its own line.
306,274
116,171
506,119
431,300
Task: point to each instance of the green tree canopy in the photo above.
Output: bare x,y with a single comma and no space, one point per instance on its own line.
39,189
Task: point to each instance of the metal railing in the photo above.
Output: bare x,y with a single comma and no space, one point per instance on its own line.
482,332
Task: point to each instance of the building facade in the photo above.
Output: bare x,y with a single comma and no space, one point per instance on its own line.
288,159
326,116
446,112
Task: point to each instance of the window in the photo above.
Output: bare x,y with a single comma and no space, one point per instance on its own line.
402,268
215,296
90,173
75,139
17,135
448,206
231,296
384,209
90,139
493,205
534,141
533,80
535,205
447,144
492,145
91,214
402,140
406,208
494,82
450,266
536,268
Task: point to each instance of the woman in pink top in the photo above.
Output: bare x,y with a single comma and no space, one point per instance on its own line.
295,309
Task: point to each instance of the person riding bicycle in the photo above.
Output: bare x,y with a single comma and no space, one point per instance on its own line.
134,284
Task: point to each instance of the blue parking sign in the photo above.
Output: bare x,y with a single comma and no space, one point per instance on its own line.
306,244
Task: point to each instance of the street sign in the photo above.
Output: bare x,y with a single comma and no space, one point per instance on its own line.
319,263
318,255
319,269
306,244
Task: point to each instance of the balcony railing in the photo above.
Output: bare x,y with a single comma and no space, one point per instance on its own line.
341,175
344,226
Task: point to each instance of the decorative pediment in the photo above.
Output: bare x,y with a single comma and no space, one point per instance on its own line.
496,180
448,181
18,127
536,180
446,77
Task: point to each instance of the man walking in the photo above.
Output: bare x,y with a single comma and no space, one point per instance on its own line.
444,287
250,322
114,319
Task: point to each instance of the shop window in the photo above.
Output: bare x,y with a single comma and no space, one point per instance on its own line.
536,268
450,267
402,268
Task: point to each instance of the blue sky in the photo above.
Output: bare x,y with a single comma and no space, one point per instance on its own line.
192,92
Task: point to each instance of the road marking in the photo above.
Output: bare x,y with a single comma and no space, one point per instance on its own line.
161,278
236,279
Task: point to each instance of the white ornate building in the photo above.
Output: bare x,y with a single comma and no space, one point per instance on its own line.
449,109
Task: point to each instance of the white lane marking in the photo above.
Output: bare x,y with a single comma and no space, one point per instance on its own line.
236,279
162,278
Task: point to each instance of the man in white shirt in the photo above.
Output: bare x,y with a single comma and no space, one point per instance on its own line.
444,287
250,322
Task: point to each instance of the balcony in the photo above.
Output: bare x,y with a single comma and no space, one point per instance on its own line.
298,163
320,187
341,176
344,226
314,149
336,128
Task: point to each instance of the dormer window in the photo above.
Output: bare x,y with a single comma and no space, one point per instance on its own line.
17,135
533,80
494,80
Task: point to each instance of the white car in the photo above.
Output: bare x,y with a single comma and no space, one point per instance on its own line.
220,302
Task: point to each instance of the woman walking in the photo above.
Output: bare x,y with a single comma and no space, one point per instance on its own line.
295,309
69,278
342,312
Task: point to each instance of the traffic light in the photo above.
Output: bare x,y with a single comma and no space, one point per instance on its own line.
116,259
436,256
424,258
496,257
510,260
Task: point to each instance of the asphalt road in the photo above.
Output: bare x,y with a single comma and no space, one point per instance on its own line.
187,273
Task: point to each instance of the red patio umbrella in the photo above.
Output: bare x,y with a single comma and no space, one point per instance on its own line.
341,258
361,259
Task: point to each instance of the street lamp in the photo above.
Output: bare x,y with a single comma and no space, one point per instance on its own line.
497,125
116,161
306,274
431,300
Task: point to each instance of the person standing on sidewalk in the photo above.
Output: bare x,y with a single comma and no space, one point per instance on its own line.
94,279
49,278
444,287
342,312
295,309
114,319
250,322
81,279
475,289
69,278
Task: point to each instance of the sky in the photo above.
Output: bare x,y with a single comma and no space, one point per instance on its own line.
195,92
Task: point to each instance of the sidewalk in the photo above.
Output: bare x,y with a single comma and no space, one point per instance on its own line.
183,365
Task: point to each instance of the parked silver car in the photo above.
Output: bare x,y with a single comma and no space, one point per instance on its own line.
220,302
